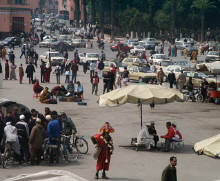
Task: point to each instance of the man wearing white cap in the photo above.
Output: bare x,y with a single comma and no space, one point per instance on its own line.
36,141
23,136
144,138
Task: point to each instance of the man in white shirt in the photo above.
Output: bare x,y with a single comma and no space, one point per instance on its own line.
144,138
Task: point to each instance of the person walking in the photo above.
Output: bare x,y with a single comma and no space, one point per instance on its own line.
47,72
23,136
171,78
105,143
169,173
36,141
42,71
74,68
57,71
101,66
6,70
181,80
12,73
125,76
160,76
95,83
30,71
21,73
92,67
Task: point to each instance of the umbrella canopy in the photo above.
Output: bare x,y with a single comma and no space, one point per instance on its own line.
140,94
209,146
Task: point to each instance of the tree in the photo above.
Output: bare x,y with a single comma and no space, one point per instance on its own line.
84,14
203,6
93,11
77,12
101,16
112,19
162,20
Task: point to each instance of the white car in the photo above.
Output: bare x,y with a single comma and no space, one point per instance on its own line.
46,43
175,68
81,57
212,56
55,58
156,58
137,49
92,57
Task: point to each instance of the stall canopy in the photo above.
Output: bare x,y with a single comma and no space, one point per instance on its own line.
209,146
50,175
7,105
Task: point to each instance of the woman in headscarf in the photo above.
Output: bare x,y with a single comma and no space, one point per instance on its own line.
6,70
47,73
12,73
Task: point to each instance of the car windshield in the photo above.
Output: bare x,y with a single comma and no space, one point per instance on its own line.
8,38
92,55
213,53
55,54
160,56
139,47
179,43
144,70
76,41
166,63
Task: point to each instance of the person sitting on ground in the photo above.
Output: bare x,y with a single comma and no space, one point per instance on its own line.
144,137
79,90
152,131
178,135
45,97
37,88
169,136
70,89
59,90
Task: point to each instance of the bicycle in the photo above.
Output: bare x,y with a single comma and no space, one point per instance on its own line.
8,155
80,143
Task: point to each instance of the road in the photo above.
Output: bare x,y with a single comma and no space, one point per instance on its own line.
196,121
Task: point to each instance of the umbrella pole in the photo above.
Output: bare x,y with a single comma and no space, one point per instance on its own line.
141,116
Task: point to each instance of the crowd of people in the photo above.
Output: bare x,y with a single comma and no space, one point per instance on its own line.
25,133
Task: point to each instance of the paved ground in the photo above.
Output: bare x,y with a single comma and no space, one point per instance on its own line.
196,121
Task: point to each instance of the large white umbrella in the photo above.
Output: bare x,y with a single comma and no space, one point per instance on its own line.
140,94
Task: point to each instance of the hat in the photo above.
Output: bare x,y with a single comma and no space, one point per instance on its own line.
53,113
48,117
107,128
22,117
38,120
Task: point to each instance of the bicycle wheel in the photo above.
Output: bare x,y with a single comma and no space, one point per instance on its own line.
5,160
199,98
81,145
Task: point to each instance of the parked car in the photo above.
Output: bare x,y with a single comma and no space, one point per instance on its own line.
198,76
122,46
212,56
61,45
79,43
107,65
55,58
92,57
46,43
9,41
148,45
137,49
158,58
140,74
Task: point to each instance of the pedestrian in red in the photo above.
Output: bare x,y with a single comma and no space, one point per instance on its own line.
6,70
104,143
21,73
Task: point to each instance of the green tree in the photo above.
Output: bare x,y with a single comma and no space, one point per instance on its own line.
101,17
162,20
203,6
77,12
93,11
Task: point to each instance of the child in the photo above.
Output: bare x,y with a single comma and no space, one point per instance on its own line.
67,73
95,83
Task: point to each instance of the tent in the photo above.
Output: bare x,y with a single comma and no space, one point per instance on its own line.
49,175
209,146
140,94
7,105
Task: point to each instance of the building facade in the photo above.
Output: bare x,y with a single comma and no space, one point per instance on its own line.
34,5
69,5
15,16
